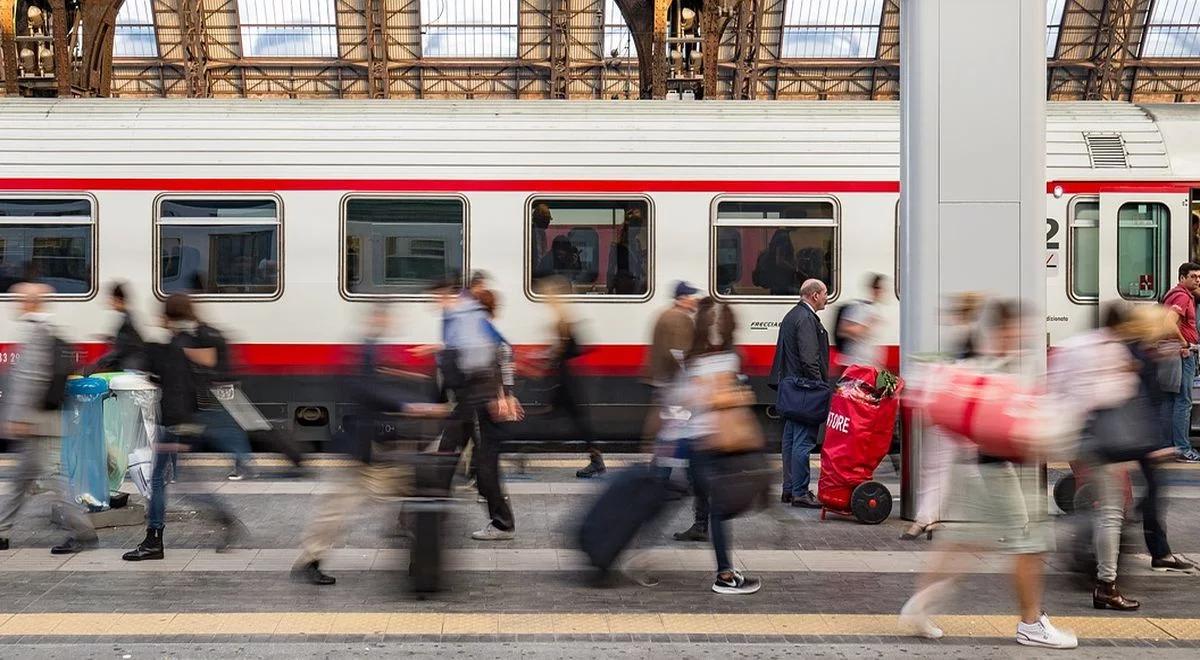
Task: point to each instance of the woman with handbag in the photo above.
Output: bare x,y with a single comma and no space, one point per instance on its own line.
718,426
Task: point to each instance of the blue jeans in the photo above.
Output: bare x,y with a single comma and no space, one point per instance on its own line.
798,443
156,517
1180,408
226,436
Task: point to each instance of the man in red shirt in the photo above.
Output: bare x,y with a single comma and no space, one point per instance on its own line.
1182,301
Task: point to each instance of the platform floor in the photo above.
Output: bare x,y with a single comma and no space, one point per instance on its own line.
830,588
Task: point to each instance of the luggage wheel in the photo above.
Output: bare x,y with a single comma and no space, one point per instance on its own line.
871,502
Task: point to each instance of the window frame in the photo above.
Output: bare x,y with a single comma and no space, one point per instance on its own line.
343,253
608,298
1070,241
713,225
93,221
280,243
1166,239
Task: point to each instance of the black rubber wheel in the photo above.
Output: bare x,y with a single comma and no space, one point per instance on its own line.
871,502
1064,493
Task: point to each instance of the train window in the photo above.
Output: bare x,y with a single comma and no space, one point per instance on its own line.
600,246
50,240
401,246
1083,250
1142,250
769,248
219,246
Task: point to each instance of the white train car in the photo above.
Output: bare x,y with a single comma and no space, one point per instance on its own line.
287,217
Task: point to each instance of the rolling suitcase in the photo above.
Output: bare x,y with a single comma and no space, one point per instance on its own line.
633,498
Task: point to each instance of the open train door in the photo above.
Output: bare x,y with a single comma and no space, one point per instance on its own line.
1137,259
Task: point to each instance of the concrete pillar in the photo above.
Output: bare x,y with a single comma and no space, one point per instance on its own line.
973,171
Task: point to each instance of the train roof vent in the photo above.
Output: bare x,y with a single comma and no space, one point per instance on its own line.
1106,150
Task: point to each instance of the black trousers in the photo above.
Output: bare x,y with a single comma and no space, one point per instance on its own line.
472,421
569,402
1153,513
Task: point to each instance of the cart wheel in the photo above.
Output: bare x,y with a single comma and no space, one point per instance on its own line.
871,502
1064,493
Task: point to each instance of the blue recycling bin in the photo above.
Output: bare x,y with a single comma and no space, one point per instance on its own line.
84,453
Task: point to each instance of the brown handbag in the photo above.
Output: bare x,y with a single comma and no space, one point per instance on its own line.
737,430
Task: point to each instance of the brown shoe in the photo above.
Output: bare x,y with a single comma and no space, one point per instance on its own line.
1106,597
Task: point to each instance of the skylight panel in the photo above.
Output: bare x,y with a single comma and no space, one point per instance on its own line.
1173,29
831,29
134,36
288,28
464,29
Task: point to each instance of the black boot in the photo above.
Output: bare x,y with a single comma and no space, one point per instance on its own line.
1106,596
593,469
697,532
150,548
73,545
311,572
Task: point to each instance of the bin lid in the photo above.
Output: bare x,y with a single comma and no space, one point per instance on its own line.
128,382
108,376
86,386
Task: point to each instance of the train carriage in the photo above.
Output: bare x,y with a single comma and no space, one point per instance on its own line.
288,217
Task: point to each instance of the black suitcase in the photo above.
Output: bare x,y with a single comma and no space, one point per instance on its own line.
425,555
633,498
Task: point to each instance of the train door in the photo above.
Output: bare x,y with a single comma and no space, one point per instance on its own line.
1136,258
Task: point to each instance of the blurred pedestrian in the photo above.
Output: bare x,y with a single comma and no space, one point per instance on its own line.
182,368
27,419
471,360
711,363
127,350
671,337
373,478
215,382
856,334
1003,511
937,450
568,397
802,350
1178,410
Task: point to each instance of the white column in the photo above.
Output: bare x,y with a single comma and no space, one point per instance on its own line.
973,170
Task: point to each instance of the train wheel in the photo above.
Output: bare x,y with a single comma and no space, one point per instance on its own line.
1064,493
871,502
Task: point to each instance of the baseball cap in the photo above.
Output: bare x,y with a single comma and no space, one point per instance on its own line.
683,289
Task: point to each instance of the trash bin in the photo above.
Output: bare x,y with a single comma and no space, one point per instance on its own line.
130,425
84,455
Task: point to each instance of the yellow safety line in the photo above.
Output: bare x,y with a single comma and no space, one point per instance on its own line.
485,623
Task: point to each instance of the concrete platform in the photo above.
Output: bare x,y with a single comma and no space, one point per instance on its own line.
830,588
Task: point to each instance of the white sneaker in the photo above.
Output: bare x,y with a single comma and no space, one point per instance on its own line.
1045,635
915,622
492,533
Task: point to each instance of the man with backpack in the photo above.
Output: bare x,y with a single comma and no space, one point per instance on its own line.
856,326
35,389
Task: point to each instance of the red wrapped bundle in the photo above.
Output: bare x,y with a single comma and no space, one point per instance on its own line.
1000,415
858,433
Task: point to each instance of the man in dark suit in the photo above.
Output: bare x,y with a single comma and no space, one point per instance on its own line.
802,350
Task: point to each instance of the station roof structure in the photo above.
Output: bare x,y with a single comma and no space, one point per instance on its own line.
1139,50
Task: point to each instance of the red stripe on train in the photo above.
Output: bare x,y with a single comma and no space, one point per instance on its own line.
317,359
532,185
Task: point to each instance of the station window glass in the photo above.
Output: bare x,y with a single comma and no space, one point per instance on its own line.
49,240
599,246
1084,250
769,248
219,246
402,246
1142,250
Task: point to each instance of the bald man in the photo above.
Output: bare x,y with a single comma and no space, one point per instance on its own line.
802,350
25,420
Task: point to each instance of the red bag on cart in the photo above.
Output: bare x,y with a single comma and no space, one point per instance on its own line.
858,434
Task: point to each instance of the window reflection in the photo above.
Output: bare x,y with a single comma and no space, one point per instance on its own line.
601,247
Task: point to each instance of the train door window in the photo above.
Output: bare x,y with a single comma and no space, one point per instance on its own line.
220,247
1194,227
768,248
1083,250
51,240
1142,250
601,247
401,246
